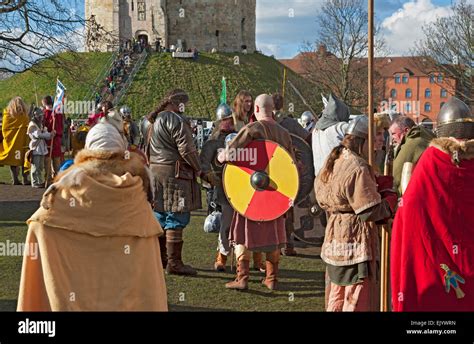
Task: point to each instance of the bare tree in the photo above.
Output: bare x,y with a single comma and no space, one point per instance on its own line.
35,30
336,60
447,46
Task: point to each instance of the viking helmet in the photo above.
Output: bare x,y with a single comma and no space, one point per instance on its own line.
37,113
359,127
223,111
455,120
306,118
125,111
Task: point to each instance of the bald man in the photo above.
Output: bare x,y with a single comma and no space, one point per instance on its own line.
249,235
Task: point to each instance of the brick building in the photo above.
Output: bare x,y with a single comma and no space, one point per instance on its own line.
415,87
410,85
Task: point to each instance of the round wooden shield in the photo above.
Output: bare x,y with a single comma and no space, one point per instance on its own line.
305,165
307,223
261,180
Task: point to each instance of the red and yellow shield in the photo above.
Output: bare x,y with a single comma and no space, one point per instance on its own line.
261,181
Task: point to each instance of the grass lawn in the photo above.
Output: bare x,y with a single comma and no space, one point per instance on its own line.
161,73
201,79
84,69
5,175
301,278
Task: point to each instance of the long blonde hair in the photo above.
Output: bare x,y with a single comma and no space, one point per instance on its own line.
239,106
17,107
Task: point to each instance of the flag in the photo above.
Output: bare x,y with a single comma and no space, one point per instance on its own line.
59,98
224,91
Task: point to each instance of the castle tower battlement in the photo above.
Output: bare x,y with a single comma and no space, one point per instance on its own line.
226,25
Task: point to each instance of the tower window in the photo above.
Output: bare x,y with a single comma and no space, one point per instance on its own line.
141,7
133,6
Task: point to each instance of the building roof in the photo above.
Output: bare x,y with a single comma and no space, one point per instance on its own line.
386,66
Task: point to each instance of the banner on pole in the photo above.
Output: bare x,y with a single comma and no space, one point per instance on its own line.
59,98
224,91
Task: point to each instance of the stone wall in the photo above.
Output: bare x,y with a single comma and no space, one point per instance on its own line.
205,24
103,10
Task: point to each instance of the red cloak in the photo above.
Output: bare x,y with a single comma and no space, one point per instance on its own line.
57,118
434,225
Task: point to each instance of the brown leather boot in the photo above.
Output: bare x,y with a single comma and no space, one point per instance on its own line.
164,256
174,247
14,175
221,260
257,262
270,280
241,282
289,250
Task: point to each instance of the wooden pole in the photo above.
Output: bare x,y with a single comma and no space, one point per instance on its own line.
371,81
385,229
384,258
284,83
36,94
384,249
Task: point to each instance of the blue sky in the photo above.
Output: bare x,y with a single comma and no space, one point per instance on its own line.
281,35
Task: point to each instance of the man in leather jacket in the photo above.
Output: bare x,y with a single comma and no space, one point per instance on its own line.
174,162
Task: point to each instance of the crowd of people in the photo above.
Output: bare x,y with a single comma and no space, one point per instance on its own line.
132,204
37,141
32,142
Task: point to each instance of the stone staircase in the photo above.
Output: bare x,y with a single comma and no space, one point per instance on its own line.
133,65
136,62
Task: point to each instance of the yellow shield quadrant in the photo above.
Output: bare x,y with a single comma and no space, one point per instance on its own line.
261,182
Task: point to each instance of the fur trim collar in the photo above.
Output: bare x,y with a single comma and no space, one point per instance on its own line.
97,162
458,150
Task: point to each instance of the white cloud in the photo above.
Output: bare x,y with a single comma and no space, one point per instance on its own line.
283,25
404,27
270,49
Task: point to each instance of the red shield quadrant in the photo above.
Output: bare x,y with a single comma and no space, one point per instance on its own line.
266,162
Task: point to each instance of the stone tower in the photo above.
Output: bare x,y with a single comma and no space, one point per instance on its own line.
226,25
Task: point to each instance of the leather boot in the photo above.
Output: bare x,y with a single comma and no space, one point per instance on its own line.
257,262
14,175
289,251
174,247
164,256
241,282
221,260
270,280
26,181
